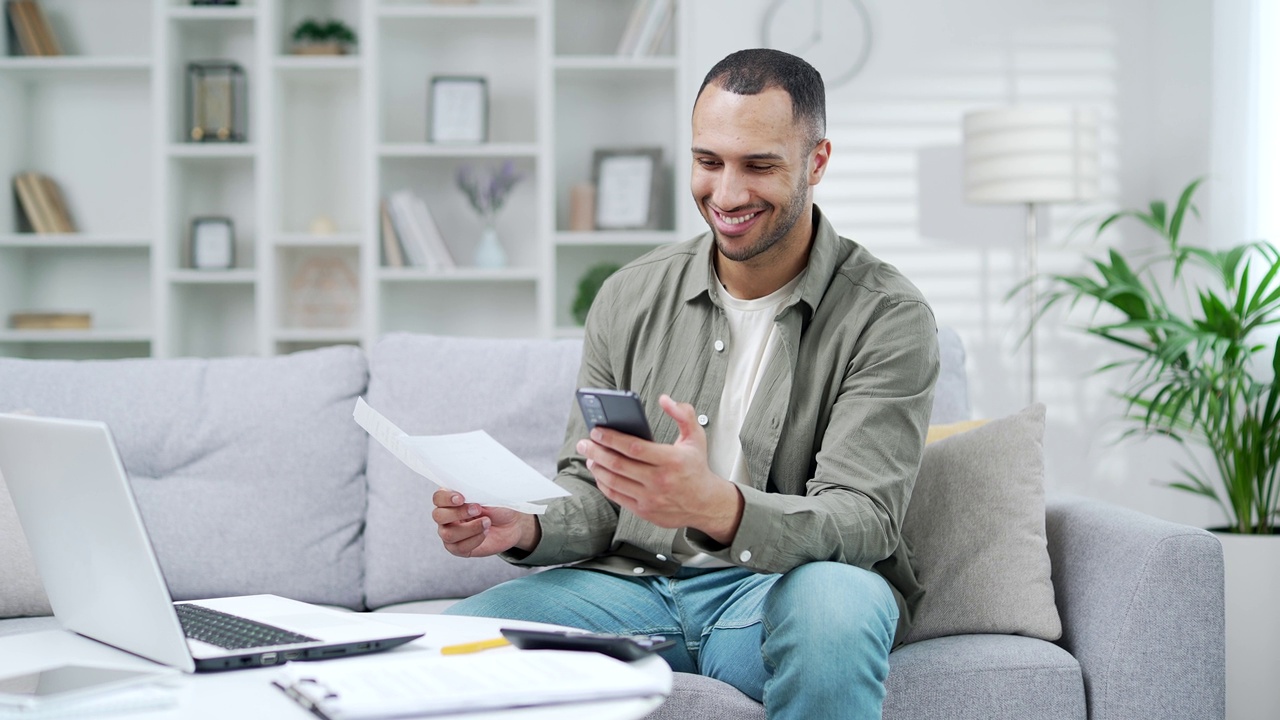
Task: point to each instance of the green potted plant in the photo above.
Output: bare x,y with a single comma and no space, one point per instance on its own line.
588,286
1189,320
323,37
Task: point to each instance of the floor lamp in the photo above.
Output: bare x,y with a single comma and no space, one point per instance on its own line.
1030,156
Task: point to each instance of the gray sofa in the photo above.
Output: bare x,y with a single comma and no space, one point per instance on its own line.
252,477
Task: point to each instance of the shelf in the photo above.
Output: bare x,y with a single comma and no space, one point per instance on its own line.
304,240
316,335
317,63
75,336
74,240
458,12
607,63
212,150
72,64
431,150
617,237
459,275
212,13
239,276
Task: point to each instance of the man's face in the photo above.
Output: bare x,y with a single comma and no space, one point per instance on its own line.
751,170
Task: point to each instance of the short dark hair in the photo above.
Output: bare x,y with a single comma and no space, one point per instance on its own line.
751,72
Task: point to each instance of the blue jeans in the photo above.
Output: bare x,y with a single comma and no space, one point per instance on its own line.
810,643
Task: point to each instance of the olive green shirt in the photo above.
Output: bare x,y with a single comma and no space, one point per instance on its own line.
833,437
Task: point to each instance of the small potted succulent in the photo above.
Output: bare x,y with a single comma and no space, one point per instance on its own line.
323,37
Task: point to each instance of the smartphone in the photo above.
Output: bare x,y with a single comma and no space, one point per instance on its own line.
623,647
619,410
65,682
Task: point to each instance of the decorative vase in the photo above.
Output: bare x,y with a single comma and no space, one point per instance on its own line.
489,252
1252,570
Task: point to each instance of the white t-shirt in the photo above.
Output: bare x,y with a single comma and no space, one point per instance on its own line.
752,343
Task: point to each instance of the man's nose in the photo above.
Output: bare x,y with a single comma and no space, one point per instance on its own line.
731,190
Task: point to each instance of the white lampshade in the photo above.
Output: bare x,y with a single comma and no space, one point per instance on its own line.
1030,155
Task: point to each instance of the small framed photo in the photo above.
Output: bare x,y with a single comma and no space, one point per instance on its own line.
458,109
213,243
627,184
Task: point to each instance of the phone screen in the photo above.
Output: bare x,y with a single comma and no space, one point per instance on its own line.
619,410
66,681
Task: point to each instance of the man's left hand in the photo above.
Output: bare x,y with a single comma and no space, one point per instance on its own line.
669,485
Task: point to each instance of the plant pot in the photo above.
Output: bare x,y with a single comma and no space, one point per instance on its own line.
1252,568
319,48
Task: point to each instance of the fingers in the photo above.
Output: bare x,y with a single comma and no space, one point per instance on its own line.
684,414
454,512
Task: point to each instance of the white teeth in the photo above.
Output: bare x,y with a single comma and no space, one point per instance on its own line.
738,220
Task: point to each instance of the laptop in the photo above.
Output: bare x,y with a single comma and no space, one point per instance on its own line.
99,569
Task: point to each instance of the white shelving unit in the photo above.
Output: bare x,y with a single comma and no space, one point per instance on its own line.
327,136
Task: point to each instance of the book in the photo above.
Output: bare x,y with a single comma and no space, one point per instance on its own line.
35,36
26,191
22,29
631,33
435,241
653,20
45,39
392,251
664,26
414,241
45,320
471,463
59,218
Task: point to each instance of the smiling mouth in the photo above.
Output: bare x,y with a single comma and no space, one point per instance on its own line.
733,223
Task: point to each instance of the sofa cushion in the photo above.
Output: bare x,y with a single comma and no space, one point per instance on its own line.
519,391
248,471
984,677
976,528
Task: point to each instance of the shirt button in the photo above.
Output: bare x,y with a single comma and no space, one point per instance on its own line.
702,420
662,558
638,571
719,346
745,556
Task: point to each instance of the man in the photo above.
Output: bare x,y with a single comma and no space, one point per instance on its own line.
762,526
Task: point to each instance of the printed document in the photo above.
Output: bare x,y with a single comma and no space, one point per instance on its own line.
474,464
399,685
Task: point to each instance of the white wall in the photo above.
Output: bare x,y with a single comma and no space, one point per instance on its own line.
894,185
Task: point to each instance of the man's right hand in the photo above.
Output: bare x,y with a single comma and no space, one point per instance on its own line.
471,530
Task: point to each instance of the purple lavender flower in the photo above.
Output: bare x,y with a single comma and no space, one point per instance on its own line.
487,193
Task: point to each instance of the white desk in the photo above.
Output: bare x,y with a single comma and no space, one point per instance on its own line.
248,694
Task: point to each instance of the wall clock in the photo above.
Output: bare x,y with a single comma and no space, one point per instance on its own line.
832,35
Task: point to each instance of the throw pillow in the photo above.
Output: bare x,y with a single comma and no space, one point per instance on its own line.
976,527
21,592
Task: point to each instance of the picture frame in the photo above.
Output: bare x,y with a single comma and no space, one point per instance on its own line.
213,243
627,184
458,109
217,102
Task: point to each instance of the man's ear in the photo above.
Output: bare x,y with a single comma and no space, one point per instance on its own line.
818,159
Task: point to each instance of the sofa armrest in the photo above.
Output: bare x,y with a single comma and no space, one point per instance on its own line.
1142,610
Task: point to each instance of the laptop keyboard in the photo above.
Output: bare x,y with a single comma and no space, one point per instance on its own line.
230,631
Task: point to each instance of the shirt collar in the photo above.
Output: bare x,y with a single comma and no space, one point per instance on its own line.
824,257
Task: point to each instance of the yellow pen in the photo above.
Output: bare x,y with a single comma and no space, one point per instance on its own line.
471,647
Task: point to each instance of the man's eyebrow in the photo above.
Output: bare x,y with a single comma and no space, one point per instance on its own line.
752,156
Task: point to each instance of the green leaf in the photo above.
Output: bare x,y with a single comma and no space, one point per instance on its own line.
1180,211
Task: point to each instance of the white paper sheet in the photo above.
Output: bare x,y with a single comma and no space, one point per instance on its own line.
417,684
474,464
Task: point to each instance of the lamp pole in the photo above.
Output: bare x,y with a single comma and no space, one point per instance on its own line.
1033,300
